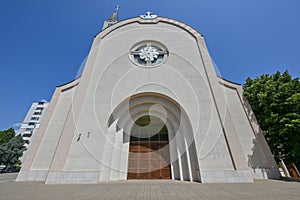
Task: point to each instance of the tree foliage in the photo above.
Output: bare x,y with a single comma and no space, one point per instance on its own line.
11,151
6,135
275,100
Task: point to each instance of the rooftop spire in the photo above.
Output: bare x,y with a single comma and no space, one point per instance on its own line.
112,20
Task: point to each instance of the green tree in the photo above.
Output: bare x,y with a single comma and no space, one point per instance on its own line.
275,100
11,151
6,135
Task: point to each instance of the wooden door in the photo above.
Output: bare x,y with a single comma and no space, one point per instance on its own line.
145,161
149,156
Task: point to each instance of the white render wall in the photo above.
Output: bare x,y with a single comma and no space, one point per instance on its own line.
85,137
257,153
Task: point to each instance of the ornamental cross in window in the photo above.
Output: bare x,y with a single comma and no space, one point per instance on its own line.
148,54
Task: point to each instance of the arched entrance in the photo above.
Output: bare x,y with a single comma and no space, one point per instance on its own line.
164,148
149,155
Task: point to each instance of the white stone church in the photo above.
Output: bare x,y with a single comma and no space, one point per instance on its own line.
148,105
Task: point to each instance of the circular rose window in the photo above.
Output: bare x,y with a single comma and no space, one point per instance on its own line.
148,53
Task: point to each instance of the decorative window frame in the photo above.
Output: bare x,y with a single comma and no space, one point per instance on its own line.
148,54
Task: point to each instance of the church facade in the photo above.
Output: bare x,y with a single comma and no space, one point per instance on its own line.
148,105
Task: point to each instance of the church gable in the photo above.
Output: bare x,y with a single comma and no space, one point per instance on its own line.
148,105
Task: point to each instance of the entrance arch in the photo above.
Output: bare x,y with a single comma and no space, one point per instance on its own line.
179,151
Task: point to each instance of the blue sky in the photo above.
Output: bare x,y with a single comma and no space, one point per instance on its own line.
43,42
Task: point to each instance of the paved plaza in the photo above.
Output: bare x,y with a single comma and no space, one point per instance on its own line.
143,189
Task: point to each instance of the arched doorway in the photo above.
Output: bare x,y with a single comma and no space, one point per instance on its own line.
179,151
149,155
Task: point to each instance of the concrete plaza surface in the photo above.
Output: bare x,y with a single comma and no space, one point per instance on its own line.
143,189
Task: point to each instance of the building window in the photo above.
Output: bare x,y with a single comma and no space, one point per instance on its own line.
28,129
148,53
27,135
39,108
34,118
31,124
36,113
41,103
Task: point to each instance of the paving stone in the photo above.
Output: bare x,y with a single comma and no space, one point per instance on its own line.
148,190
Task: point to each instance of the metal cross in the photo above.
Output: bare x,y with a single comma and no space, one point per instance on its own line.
117,8
148,14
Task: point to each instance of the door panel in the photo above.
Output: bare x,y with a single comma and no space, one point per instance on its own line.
145,162
149,155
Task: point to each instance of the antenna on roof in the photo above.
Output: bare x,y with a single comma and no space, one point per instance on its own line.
117,8
112,20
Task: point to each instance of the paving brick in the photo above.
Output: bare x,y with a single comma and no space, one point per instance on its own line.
148,190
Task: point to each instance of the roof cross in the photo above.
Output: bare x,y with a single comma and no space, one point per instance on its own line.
117,8
148,15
